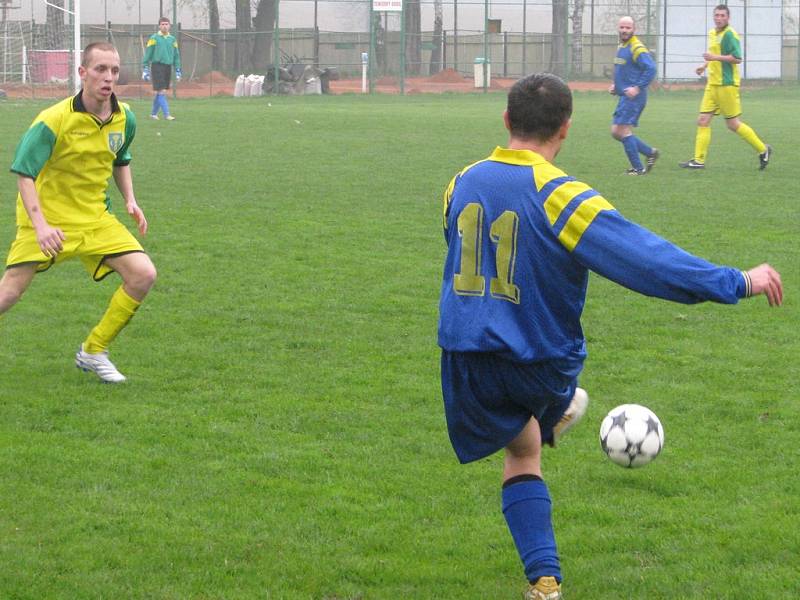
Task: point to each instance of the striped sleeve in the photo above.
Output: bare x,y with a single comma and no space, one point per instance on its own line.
638,259
570,205
448,196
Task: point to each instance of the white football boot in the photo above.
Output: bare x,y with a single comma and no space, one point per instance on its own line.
99,364
573,414
545,588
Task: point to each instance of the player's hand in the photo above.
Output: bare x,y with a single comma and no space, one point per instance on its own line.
707,56
138,216
611,89
700,70
50,240
766,280
146,74
178,74
632,92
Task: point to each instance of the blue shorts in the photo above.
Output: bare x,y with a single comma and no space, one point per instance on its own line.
629,110
488,399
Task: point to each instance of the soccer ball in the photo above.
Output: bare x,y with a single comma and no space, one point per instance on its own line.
631,435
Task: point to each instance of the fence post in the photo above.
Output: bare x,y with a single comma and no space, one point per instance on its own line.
276,50
524,38
455,36
505,54
444,49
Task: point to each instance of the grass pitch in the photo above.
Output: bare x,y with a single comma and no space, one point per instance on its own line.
281,435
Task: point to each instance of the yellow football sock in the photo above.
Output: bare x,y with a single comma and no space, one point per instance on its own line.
748,135
701,144
120,311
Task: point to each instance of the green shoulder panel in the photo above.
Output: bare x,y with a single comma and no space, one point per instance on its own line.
730,44
34,149
124,154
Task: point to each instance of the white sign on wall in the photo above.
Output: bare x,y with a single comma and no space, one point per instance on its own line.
387,5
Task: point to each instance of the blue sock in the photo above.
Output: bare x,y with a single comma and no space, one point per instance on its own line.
526,507
632,151
163,103
155,105
642,147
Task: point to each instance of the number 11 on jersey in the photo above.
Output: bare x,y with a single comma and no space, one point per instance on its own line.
503,234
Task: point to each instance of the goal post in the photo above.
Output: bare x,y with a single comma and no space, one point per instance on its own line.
73,11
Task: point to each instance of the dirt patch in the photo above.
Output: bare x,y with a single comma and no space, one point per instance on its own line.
214,77
447,76
219,84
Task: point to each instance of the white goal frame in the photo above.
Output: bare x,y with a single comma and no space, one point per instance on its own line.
75,13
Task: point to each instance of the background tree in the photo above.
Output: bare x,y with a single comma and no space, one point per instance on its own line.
264,25
436,52
243,28
413,24
213,27
577,37
558,46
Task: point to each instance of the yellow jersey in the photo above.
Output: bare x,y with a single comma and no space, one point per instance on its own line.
71,154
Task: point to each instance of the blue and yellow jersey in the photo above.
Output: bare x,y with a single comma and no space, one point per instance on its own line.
71,155
162,49
521,238
724,42
633,66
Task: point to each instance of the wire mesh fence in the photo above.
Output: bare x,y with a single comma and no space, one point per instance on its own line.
470,44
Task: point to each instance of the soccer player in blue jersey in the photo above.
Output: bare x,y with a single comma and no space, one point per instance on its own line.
160,55
63,164
521,238
634,69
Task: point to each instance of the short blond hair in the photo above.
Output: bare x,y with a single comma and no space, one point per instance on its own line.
102,46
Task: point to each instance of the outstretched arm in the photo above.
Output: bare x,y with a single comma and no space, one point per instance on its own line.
640,260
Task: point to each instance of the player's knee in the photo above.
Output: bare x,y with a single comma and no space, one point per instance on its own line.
142,279
148,276
734,125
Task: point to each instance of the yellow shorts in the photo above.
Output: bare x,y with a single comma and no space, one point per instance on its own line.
721,99
92,246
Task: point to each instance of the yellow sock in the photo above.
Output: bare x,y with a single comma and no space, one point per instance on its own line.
748,135
701,144
120,311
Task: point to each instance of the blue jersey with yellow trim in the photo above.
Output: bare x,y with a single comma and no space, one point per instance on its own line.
633,66
522,236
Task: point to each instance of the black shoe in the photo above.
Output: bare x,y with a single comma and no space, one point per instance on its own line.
651,160
692,164
763,158
636,172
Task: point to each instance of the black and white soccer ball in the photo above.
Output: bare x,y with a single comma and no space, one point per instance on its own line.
631,435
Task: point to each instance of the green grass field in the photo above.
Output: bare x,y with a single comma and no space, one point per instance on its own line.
281,434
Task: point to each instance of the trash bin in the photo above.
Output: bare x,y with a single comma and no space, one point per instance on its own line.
479,65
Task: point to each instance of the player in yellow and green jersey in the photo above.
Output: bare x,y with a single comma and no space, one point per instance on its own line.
160,56
722,92
63,164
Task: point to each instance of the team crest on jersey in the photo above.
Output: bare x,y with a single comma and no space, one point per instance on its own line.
115,141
